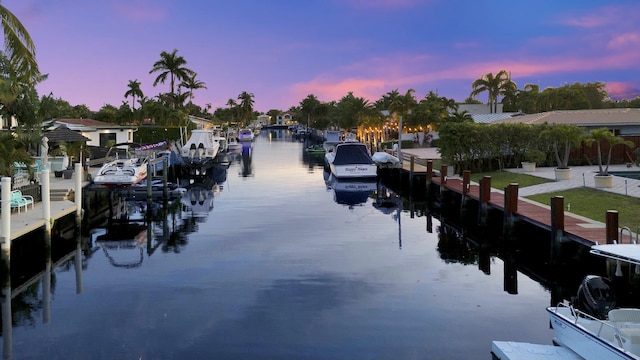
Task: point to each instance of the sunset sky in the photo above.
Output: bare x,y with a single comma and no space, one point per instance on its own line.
283,50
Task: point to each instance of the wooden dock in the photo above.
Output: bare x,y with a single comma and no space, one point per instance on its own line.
553,218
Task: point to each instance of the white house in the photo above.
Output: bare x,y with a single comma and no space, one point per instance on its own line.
100,133
284,118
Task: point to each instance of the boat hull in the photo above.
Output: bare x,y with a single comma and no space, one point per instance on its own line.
580,340
354,171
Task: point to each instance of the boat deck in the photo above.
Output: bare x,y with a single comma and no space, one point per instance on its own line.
510,350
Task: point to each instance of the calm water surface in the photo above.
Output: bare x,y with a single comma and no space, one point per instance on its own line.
281,268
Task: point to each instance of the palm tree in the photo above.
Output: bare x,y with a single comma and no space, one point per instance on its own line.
11,151
246,105
191,84
497,85
173,66
134,91
19,48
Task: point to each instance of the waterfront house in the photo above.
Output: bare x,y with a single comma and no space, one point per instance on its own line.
101,134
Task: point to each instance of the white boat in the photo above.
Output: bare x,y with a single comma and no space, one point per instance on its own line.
350,160
221,138
245,135
591,328
616,334
130,169
201,148
331,139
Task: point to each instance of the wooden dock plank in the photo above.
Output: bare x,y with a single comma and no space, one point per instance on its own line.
575,227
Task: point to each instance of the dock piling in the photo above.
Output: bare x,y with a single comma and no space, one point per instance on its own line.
6,219
612,227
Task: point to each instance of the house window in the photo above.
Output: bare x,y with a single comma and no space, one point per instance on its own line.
107,139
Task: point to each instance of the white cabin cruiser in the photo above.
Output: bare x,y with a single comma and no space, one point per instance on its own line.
200,149
351,160
123,171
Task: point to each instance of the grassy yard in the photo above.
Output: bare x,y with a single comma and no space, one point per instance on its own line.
593,204
587,202
500,179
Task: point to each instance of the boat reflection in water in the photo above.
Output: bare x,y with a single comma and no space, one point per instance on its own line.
197,201
124,244
350,192
246,170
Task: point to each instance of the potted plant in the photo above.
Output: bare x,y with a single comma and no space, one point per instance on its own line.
533,157
561,139
602,178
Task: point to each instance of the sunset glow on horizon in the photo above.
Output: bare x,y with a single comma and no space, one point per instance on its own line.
282,51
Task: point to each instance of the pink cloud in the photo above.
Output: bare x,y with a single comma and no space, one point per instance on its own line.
384,4
623,90
623,40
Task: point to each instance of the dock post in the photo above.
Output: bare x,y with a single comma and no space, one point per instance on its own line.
485,197
612,226
411,171
6,220
429,177
78,194
46,205
510,208
165,175
557,225
7,329
443,178
466,182
149,181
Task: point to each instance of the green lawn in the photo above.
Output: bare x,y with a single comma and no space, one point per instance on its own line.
587,202
593,204
500,179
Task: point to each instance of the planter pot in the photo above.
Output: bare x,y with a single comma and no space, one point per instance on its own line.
603,181
421,138
58,173
562,174
67,174
528,166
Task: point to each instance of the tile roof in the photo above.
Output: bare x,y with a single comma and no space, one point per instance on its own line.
63,133
593,117
84,122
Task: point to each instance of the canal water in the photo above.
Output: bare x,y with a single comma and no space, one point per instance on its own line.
277,261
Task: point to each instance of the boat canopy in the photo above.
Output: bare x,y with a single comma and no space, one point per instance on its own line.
352,153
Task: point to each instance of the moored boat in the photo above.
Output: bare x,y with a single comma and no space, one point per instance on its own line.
245,135
351,160
201,148
126,171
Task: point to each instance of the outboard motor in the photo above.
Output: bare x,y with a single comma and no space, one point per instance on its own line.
595,296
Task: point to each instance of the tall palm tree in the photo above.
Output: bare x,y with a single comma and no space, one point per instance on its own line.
191,84
246,105
172,66
19,48
134,91
494,85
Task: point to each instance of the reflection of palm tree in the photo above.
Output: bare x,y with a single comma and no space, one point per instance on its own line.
134,91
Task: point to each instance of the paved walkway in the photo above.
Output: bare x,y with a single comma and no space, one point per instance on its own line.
581,176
